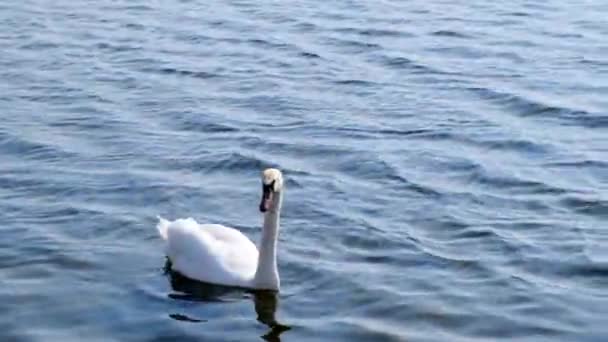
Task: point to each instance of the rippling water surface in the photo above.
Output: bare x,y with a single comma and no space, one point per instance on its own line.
446,164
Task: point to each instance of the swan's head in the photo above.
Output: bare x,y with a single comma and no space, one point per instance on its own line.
272,183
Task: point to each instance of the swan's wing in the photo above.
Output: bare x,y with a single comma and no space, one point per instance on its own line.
162,227
210,252
239,253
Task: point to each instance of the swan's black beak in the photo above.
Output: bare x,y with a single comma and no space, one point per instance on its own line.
267,197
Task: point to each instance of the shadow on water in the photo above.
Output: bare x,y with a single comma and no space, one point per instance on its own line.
265,302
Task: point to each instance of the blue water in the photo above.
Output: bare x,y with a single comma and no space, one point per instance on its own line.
446,166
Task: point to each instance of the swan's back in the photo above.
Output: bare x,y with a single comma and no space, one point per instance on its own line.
209,252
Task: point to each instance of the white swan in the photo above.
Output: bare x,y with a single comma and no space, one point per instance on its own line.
221,255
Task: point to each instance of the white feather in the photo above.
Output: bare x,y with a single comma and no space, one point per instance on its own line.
209,252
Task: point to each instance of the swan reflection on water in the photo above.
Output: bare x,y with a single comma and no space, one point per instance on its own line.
265,302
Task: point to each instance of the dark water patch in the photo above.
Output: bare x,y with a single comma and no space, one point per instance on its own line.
596,273
130,8
588,163
403,63
134,26
519,146
563,35
589,206
184,318
475,233
353,46
360,83
373,32
195,122
385,131
310,55
305,27
593,62
270,45
39,46
445,223
183,72
116,47
450,34
518,14
384,33
514,42
195,38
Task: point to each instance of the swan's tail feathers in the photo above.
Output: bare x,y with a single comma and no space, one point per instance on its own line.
163,227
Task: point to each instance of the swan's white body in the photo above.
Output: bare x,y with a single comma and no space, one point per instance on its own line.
209,252
222,255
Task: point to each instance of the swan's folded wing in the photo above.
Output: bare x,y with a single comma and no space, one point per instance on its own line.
162,226
239,253
211,252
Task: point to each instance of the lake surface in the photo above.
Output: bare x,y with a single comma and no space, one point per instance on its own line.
446,166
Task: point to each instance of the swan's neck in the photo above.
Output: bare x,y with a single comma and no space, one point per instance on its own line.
267,273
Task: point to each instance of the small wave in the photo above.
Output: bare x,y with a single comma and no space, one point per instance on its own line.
462,264
514,184
530,108
379,170
32,150
514,145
